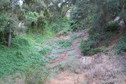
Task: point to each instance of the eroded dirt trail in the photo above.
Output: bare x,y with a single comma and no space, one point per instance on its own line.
70,56
74,68
67,78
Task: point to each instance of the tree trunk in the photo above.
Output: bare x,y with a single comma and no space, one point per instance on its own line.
9,39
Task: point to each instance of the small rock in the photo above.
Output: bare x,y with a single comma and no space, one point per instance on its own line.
87,60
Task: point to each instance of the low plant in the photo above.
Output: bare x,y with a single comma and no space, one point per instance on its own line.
39,38
64,43
61,26
121,46
112,26
88,47
45,51
37,75
74,37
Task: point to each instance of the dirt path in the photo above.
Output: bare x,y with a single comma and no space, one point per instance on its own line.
67,57
67,78
74,68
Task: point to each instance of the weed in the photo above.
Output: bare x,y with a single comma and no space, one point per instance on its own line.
37,75
64,43
121,46
74,37
61,26
39,38
88,47
112,26
45,51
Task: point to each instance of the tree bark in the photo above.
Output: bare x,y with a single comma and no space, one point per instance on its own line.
9,39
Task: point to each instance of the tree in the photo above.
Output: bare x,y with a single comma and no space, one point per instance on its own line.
9,22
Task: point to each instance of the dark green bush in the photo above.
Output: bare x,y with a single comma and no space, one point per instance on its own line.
121,46
101,36
3,23
88,47
31,17
62,26
112,26
76,25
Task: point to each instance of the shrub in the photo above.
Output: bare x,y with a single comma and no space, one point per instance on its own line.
19,42
121,46
76,25
3,22
86,23
112,26
88,47
62,26
31,17
34,22
37,75
41,25
101,37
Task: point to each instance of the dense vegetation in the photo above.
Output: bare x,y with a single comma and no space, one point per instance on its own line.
103,23
27,24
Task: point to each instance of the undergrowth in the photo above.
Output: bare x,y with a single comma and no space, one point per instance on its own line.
39,38
20,56
64,43
121,46
45,51
99,37
61,26
37,75
88,47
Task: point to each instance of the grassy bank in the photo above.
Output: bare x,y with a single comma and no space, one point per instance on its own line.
23,55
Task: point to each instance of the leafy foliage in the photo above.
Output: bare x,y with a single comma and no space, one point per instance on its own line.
61,26
113,26
82,15
103,25
3,23
31,17
3,20
21,56
88,47
121,46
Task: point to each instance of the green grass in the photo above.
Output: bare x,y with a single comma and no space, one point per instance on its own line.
64,43
45,51
39,38
22,54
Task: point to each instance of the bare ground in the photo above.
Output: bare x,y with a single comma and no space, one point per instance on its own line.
97,69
